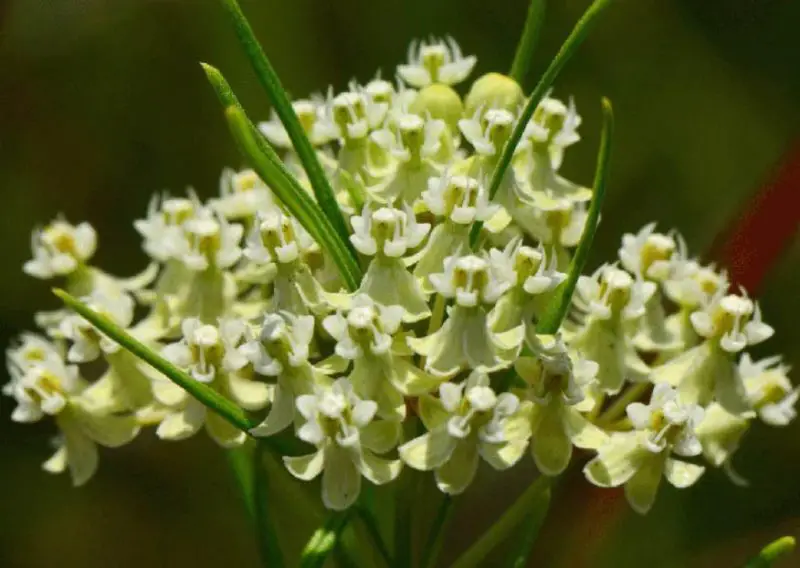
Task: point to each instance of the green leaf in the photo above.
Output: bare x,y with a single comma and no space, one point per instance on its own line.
283,107
371,525
203,393
772,552
324,540
505,525
268,543
287,189
434,542
568,49
527,43
530,530
562,297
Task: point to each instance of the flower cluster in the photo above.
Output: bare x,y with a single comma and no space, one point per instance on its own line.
440,333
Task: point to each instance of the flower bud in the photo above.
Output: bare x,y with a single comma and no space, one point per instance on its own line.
494,90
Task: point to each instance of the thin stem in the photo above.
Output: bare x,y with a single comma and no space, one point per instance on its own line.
434,542
562,298
504,526
268,544
528,40
568,49
531,527
280,101
617,408
240,463
203,393
371,524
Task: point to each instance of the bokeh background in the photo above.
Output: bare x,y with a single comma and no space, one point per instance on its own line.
102,102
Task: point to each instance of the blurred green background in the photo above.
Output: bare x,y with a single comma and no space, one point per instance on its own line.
102,102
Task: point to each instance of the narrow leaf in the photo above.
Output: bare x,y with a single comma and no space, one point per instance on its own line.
568,49
530,530
203,393
434,542
528,40
324,540
268,543
504,526
371,524
772,552
286,188
559,305
280,101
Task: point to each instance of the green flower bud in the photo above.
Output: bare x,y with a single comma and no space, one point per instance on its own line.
440,101
494,90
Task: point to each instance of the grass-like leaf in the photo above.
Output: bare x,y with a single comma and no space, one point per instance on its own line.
284,185
528,41
568,49
530,530
203,393
263,515
324,540
559,305
522,508
772,552
283,107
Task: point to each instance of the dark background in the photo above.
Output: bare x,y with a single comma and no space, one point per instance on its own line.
102,102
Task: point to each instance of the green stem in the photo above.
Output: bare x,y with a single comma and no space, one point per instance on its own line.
371,524
505,525
280,101
532,525
240,461
772,552
562,298
268,544
434,542
528,41
203,393
568,49
617,408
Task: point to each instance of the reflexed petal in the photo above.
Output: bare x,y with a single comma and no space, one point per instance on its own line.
182,423
682,474
642,488
379,470
168,393
428,451
616,462
431,411
81,452
502,456
307,467
414,381
57,462
380,436
341,480
280,414
250,395
109,430
550,445
583,433
223,432
457,473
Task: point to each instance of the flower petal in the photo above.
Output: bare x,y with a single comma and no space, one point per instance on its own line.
457,473
682,474
428,451
341,480
641,489
378,470
307,467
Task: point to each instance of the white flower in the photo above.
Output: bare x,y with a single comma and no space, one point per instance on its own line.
276,237
212,355
387,231
458,198
51,387
649,254
355,114
468,420
60,249
436,61
554,123
313,118
639,459
88,342
609,290
769,389
488,130
556,383
241,195
212,242
341,426
471,280
162,230
412,137
735,321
